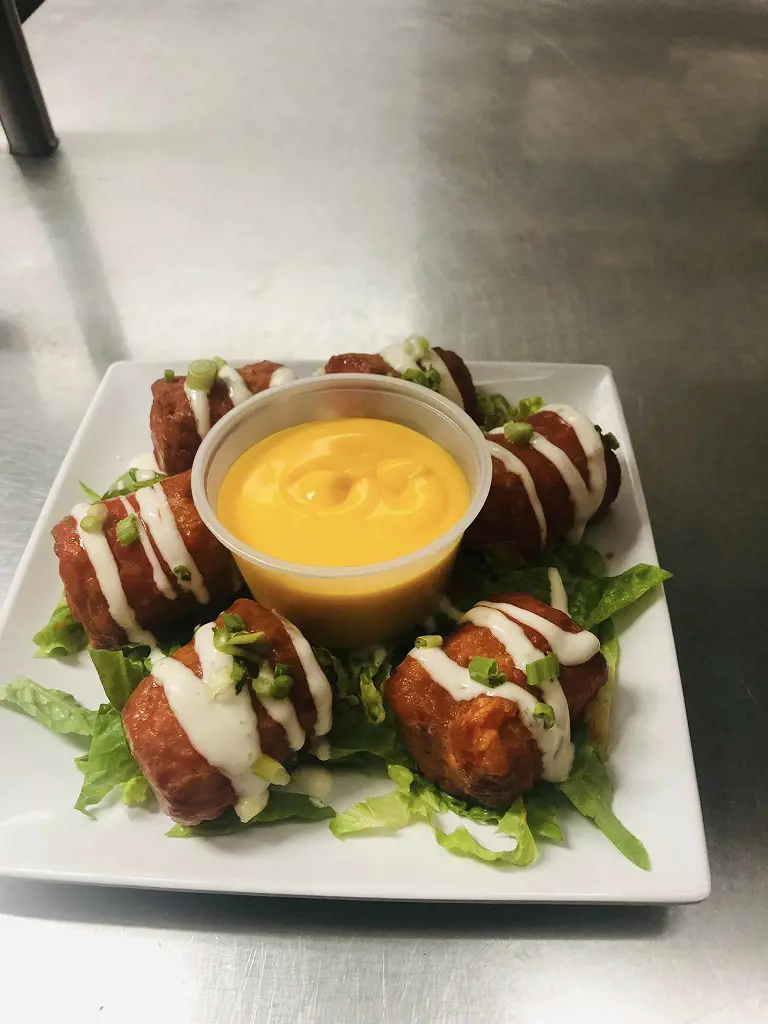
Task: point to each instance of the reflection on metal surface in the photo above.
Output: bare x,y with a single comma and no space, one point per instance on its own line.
512,178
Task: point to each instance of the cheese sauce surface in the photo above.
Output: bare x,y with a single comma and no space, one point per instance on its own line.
343,492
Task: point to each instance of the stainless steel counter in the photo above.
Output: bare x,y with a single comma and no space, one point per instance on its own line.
583,181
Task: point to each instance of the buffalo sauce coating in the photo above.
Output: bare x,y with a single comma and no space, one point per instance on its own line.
484,743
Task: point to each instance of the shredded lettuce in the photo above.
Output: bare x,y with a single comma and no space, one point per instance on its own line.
108,763
61,635
543,815
120,672
414,798
58,711
282,806
595,600
590,790
597,714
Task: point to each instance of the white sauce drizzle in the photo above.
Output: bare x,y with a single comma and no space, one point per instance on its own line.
161,581
96,546
159,520
404,356
554,744
400,357
236,386
448,388
570,648
519,468
282,375
201,408
586,499
321,749
224,731
284,713
145,462
315,782
557,595
317,681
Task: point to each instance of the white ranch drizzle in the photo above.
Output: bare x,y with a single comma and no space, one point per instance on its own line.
592,444
448,387
146,462
284,713
96,546
224,731
236,386
201,408
570,648
554,746
315,782
160,521
161,581
557,595
317,681
403,356
583,504
282,375
519,468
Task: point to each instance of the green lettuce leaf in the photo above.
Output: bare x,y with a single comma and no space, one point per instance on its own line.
413,798
135,791
121,671
58,711
590,790
597,714
108,763
543,815
595,600
513,823
61,635
282,806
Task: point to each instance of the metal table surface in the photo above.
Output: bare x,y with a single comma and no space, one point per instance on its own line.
581,180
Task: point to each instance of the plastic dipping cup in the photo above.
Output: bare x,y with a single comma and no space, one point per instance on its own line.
362,604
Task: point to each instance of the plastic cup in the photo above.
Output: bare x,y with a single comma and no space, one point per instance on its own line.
362,604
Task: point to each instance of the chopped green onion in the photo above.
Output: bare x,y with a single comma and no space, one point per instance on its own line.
240,639
433,640
543,670
270,770
239,676
182,573
234,643
416,346
234,623
201,374
545,714
486,672
429,378
612,440
521,433
89,492
128,530
528,406
94,521
169,376
133,480
275,685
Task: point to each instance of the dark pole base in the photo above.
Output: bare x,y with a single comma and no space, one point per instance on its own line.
23,112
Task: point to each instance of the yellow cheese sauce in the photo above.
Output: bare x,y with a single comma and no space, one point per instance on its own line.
342,492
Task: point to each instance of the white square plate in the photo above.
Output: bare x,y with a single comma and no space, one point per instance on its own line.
41,837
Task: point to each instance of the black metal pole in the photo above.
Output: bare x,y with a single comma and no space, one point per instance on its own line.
23,113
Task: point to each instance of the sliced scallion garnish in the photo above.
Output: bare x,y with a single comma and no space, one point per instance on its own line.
486,672
234,623
273,685
270,770
169,376
181,572
520,433
612,440
429,378
542,670
201,374
432,640
545,714
94,521
128,530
